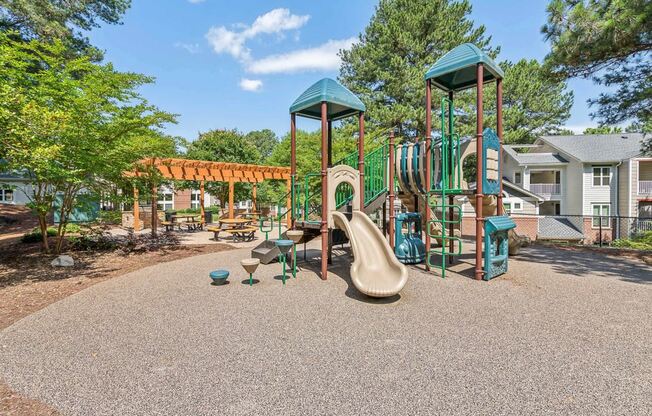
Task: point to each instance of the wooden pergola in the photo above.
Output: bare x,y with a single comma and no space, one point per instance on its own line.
206,171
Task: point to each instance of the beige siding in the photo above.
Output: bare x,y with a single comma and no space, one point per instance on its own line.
597,194
572,186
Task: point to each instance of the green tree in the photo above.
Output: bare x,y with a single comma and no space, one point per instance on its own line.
609,42
405,37
71,125
603,130
225,146
265,140
65,20
385,67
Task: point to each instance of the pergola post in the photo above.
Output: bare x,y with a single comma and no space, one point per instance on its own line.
324,191
479,220
499,130
254,195
154,210
136,211
361,157
293,156
201,201
231,189
428,164
392,156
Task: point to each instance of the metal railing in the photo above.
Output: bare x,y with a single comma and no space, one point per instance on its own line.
645,187
546,188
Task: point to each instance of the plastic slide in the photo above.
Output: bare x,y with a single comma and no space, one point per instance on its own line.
375,270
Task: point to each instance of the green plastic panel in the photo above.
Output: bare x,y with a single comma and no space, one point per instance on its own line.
457,69
341,102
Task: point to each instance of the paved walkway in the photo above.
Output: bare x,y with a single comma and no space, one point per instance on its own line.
563,333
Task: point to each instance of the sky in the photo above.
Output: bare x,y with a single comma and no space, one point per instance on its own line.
223,64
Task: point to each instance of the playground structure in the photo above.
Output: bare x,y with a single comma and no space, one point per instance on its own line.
430,181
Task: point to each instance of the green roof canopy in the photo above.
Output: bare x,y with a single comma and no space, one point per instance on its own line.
457,69
341,102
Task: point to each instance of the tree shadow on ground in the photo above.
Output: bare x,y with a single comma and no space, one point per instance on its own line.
580,262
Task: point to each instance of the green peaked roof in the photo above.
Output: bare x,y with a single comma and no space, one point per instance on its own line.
341,102
457,69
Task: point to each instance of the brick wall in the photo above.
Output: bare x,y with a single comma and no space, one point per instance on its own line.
527,226
592,235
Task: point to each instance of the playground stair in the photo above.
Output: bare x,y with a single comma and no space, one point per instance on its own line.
267,251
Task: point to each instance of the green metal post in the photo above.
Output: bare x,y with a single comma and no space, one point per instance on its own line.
283,269
294,260
251,279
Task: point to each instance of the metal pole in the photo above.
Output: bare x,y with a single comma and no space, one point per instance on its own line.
451,168
330,165
392,156
428,164
479,220
324,190
361,157
293,156
499,130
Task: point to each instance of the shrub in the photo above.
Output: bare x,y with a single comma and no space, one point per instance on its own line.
35,235
641,241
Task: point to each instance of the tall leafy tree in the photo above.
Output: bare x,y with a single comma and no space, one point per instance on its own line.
71,125
611,43
603,130
265,140
405,37
225,146
64,20
385,67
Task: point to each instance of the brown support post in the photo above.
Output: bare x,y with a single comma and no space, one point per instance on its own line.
324,191
136,211
231,190
499,131
254,195
428,164
361,157
154,210
392,165
289,205
201,201
479,220
293,155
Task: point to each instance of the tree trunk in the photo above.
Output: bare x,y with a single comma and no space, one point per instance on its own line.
43,225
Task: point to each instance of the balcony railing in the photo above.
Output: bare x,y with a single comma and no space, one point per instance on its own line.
546,188
645,187
641,225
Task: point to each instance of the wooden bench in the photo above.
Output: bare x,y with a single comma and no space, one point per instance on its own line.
241,234
169,226
216,231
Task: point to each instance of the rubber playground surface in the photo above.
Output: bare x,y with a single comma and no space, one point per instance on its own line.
563,332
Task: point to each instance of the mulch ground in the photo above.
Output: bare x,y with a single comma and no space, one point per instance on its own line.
29,283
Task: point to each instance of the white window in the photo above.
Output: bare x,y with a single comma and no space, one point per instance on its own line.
6,195
600,213
165,200
517,178
194,199
601,175
508,207
517,206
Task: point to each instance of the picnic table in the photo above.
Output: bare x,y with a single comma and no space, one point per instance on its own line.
239,228
193,221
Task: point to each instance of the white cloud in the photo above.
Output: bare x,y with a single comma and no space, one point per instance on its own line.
233,42
321,58
253,85
192,48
